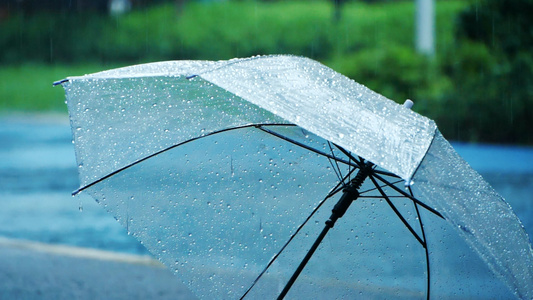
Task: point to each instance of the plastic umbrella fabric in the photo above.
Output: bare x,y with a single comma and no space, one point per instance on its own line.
226,171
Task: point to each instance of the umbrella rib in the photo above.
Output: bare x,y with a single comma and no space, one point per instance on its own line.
165,150
332,193
369,190
408,196
261,127
380,197
426,248
227,64
351,158
397,212
338,169
386,173
358,162
341,184
416,203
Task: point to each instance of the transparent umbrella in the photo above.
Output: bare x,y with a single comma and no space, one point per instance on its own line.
275,176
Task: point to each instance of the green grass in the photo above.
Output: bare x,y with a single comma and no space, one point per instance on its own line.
29,87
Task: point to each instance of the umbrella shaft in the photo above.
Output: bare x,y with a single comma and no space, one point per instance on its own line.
350,193
304,262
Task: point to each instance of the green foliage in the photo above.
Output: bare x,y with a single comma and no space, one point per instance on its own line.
491,69
140,35
48,38
209,30
397,73
220,31
505,26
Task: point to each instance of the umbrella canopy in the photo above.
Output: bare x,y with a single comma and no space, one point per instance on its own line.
226,171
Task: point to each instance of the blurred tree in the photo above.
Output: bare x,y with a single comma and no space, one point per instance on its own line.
492,70
180,5
505,26
101,6
33,6
337,13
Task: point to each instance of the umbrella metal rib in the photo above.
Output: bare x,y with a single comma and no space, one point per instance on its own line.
404,221
350,188
426,249
140,160
407,195
332,193
292,141
119,170
259,126
350,194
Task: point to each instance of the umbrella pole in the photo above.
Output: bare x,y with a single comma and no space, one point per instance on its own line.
350,193
304,262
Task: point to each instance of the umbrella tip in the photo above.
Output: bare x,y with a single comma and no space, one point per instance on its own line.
408,103
59,82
